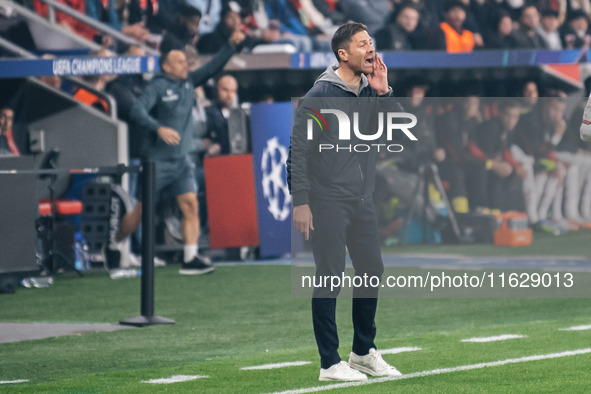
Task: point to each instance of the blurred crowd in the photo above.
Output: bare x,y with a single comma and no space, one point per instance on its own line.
308,25
493,155
512,154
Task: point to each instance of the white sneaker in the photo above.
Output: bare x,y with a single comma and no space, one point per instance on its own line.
341,371
135,260
373,364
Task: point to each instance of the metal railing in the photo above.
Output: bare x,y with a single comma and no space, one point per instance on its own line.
15,49
11,9
54,5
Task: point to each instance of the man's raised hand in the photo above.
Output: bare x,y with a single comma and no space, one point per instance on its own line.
378,79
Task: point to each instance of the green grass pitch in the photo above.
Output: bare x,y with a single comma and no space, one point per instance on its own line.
245,316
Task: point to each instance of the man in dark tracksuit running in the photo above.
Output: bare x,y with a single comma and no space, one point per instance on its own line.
332,197
165,113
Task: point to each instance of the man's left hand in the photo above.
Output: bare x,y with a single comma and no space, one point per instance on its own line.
378,79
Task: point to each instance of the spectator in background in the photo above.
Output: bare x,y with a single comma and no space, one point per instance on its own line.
398,35
104,11
503,37
52,80
7,144
89,98
451,35
565,206
534,132
164,112
98,83
575,33
185,31
231,22
217,133
527,35
500,187
428,17
453,129
530,93
548,29
211,11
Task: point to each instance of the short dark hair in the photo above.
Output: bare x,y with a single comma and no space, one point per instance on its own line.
398,10
549,12
342,37
164,57
453,4
188,11
414,81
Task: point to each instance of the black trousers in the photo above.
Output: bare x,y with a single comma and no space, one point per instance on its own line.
488,190
340,226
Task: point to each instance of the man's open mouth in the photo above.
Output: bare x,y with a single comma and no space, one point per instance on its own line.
369,61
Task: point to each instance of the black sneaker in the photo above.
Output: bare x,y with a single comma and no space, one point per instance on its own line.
198,266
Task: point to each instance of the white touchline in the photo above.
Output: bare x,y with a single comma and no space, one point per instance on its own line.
13,381
396,350
576,328
439,371
494,339
278,365
175,379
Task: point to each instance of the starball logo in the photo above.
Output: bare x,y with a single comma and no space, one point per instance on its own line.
391,126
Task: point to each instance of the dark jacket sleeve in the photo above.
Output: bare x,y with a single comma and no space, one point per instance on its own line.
299,154
124,98
202,74
140,111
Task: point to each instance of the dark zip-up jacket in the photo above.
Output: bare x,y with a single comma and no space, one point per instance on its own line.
169,102
330,174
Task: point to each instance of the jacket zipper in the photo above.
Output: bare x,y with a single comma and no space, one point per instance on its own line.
362,181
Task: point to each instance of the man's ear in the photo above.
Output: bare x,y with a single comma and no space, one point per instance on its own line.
343,55
165,67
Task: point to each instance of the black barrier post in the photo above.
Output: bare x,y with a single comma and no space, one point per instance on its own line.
147,317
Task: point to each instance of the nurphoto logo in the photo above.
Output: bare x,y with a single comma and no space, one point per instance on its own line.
344,132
